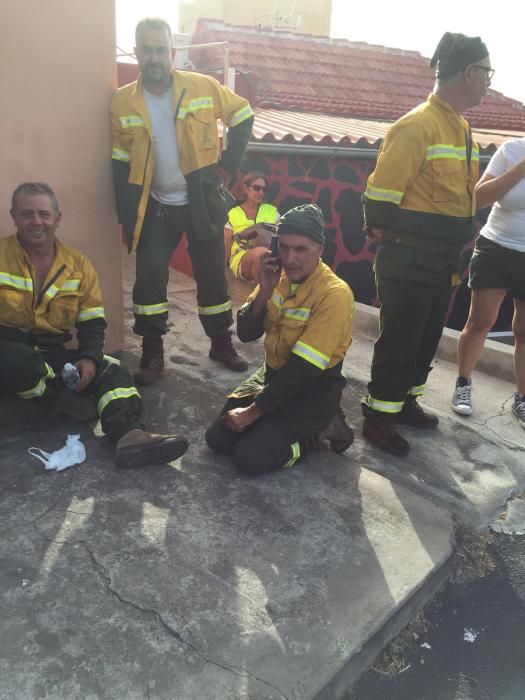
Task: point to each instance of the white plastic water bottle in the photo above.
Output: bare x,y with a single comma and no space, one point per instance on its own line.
70,376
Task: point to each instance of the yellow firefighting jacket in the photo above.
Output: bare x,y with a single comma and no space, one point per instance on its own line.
314,322
422,189
70,297
198,102
308,331
423,163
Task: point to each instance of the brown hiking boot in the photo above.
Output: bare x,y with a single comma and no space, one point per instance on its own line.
222,350
139,448
379,429
338,433
413,414
152,360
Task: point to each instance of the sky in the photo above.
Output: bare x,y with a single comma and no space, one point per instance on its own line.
414,26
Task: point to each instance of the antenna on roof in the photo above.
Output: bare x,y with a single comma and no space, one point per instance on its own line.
278,20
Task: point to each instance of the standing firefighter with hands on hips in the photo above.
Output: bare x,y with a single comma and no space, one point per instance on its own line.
47,289
419,207
293,401
169,176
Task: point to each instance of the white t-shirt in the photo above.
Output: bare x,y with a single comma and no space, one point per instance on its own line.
506,222
168,185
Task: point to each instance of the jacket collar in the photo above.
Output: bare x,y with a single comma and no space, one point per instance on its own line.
139,103
440,104
62,256
308,283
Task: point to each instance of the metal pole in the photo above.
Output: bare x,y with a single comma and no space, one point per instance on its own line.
357,153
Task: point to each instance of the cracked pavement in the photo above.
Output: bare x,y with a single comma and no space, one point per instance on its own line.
190,581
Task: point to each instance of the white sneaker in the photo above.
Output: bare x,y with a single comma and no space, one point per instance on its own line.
518,408
462,400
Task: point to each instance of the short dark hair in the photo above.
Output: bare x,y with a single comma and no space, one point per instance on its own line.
35,188
152,23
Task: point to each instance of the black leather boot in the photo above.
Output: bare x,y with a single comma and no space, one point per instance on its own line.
414,415
152,360
379,429
338,433
222,350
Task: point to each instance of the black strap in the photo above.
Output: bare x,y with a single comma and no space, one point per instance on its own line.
468,139
51,281
177,108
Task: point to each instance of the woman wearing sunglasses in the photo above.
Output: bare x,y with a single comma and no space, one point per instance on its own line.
245,224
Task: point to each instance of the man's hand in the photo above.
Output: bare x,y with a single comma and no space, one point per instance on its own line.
238,419
87,370
374,235
224,176
269,273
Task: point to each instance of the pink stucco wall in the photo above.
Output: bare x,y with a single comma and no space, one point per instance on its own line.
58,73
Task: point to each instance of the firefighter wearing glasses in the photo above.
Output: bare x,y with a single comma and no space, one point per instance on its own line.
419,208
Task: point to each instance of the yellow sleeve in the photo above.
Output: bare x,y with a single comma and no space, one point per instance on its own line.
121,143
400,159
230,108
90,304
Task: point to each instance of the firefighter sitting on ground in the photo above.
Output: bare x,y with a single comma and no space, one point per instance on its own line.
46,289
293,401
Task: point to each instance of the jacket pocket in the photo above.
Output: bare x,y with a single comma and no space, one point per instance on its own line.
139,154
13,305
447,179
289,331
203,128
63,310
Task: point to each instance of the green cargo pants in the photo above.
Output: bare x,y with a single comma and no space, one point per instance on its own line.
32,373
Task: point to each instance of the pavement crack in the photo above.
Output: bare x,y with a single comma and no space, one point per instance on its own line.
508,443
104,575
513,447
50,509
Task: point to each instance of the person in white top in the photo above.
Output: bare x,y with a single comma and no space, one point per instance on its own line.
497,267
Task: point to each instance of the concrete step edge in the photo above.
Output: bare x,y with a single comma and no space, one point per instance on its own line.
400,616
496,359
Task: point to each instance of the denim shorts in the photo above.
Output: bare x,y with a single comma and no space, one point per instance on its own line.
494,267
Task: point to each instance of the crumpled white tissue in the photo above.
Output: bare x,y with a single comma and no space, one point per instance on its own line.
72,453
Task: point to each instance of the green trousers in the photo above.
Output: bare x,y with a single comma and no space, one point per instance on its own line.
161,233
411,320
33,373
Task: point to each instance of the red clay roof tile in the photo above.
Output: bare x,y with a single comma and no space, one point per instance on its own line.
336,76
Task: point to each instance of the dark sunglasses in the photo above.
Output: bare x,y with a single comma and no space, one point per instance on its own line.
258,188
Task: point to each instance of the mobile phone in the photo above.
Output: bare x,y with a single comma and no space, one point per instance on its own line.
274,247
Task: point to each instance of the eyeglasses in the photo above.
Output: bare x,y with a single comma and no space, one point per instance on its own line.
488,71
258,188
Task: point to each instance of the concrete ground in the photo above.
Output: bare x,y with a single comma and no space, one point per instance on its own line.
191,581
